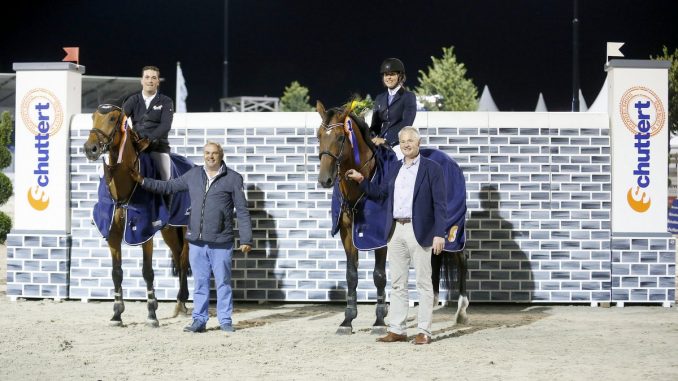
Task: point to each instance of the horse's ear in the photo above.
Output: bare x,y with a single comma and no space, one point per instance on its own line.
320,108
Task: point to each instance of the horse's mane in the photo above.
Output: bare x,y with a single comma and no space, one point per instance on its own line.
364,128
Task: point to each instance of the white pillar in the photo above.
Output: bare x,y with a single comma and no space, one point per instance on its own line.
638,110
48,94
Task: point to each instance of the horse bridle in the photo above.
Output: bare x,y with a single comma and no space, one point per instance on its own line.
105,146
337,158
105,140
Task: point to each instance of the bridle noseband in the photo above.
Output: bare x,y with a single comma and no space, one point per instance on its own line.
337,158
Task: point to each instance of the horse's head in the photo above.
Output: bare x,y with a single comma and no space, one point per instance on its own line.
332,139
106,122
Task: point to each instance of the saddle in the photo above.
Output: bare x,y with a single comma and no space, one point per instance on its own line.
145,212
139,143
368,215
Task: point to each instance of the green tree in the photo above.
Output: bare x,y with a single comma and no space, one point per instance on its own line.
445,86
295,98
673,85
5,139
6,188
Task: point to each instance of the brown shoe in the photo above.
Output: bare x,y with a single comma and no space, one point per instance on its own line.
392,338
421,338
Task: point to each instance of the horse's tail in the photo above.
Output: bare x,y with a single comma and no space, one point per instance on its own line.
447,273
177,266
451,270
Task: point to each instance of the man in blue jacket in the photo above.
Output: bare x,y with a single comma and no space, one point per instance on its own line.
415,194
215,191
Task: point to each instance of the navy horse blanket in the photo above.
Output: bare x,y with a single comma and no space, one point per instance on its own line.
368,215
146,212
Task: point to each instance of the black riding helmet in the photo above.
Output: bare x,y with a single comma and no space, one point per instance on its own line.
392,65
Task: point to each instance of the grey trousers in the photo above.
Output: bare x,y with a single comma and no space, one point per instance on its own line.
403,250
162,164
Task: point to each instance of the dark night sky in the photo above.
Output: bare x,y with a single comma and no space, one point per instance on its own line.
518,48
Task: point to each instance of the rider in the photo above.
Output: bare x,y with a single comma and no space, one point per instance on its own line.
395,108
151,114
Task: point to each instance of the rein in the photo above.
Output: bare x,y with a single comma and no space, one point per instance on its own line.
105,142
108,139
339,158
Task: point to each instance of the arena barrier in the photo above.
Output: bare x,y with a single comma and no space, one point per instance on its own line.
539,221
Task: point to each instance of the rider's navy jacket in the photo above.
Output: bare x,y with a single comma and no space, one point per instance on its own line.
387,120
428,205
153,123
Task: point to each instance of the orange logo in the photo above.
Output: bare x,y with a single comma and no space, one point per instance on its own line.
37,198
638,200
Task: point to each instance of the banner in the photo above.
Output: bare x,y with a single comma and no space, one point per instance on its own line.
638,109
47,96
182,92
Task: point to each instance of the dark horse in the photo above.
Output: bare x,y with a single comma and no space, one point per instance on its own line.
338,155
109,135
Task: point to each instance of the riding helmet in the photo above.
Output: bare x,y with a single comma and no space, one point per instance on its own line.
392,65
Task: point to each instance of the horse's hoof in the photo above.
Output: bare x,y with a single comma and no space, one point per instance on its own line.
344,331
379,330
115,323
180,308
152,323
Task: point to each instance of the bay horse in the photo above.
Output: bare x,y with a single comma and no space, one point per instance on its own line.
344,144
108,135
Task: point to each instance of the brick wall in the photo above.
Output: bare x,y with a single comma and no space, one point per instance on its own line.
538,224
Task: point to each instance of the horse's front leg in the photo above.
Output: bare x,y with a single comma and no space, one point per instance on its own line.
114,242
351,312
149,276
379,275
182,295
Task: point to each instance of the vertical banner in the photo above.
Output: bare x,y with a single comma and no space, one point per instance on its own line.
182,91
47,96
638,109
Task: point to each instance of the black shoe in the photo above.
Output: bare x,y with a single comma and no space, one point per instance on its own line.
195,327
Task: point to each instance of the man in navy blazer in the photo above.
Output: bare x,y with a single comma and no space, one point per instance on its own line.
151,113
416,194
395,108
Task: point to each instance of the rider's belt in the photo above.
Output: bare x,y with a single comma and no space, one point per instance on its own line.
402,221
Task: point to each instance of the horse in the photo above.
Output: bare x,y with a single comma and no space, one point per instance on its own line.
344,144
110,135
